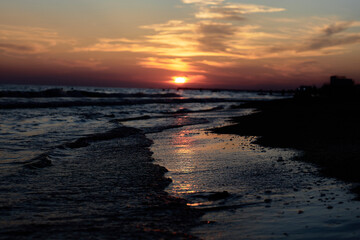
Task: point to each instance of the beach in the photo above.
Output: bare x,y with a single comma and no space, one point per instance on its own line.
270,195
326,130
183,119
76,162
148,164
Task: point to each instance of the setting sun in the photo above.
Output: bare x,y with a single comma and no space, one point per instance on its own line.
180,79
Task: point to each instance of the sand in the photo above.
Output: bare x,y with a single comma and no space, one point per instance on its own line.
327,131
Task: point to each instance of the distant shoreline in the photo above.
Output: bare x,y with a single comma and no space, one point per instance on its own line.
260,91
326,130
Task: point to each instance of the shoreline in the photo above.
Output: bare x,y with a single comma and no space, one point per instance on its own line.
262,192
325,130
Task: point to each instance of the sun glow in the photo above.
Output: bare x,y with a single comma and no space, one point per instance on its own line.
180,80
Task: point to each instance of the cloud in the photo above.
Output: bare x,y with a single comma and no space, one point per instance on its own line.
28,40
205,2
174,38
214,36
328,42
336,28
90,63
330,39
233,11
332,35
197,44
219,13
180,39
175,64
177,40
17,48
219,64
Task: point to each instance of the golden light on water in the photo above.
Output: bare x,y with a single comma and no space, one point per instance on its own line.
180,80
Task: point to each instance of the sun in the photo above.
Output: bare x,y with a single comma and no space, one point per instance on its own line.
180,80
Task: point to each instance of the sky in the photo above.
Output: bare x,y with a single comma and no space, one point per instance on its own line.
233,44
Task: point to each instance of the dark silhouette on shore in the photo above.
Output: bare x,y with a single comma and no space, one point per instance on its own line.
323,123
339,88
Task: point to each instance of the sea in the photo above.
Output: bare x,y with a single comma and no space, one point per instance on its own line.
121,163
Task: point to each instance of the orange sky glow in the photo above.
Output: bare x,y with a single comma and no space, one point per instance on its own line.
237,44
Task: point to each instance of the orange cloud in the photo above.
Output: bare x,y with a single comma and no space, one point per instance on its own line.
28,40
217,63
206,2
205,46
178,39
175,64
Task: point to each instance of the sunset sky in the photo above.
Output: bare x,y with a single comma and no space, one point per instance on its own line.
146,43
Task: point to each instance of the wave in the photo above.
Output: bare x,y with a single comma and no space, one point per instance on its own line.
41,161
117,184
44,159
59,92
106,102
146,117
185,110
185,122
167,114
118,132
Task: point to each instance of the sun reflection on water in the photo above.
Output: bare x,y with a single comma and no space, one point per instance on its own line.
194,164
184,151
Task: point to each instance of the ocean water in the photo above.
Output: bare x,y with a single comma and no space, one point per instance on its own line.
76,162
40,119
141,164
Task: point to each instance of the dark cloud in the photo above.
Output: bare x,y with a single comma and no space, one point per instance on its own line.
214,36
326,42
331,36
336,28
17,48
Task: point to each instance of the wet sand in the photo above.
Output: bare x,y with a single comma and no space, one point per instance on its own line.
268,194
327,131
